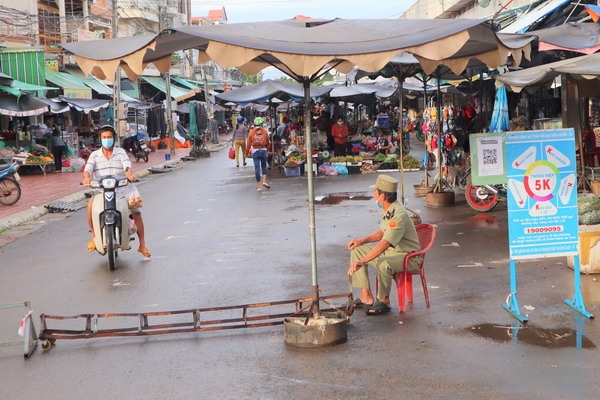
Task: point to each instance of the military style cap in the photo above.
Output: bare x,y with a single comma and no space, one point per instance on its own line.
386,183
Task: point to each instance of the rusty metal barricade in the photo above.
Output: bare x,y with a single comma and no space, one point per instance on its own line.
26,329
182,321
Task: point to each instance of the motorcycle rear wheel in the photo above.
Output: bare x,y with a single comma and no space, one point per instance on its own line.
10,191
145,157
479,199
111,248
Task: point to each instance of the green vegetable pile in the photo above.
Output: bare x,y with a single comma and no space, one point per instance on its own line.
588,208
409,162
379,157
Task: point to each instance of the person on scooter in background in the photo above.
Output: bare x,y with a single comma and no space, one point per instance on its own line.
110,160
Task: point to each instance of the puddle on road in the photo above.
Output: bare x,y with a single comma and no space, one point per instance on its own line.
338,198
533,335
484,221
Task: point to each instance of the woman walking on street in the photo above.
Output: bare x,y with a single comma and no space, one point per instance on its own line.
240,134
58,147
258,143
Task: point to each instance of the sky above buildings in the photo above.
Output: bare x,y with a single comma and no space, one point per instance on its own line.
274,10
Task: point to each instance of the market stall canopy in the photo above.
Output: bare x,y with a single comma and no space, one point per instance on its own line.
71,85
177,93
23,106
303,48
543,8
268,90
186,83
56,105
5,80
580,37
587,67
85,105
18,88
347,92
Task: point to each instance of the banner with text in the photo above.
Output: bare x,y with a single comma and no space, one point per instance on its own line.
542,193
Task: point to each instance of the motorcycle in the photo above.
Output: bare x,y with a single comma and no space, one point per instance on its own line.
482,198
110,218
136,145
10,188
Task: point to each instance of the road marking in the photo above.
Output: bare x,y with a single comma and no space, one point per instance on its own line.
470,265
453,244
176,237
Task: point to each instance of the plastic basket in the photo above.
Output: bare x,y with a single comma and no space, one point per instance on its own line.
292,171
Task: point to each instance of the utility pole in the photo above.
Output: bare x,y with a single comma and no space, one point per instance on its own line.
162,18
117,82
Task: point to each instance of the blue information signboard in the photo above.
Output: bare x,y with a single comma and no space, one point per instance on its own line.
542,193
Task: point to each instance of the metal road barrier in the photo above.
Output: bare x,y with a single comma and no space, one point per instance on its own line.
25,329
183,321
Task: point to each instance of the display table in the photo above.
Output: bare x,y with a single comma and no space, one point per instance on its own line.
41,166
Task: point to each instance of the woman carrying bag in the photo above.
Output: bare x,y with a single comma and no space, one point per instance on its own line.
58,147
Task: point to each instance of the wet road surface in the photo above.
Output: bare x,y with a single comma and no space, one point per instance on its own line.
216,241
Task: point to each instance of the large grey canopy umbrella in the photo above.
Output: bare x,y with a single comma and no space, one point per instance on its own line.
587,66
265,91
305,50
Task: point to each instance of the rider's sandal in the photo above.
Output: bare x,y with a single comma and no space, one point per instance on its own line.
145,252
91,246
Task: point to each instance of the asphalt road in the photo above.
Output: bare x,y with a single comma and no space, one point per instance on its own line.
216,241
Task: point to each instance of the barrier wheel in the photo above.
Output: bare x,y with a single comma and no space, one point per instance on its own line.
47,344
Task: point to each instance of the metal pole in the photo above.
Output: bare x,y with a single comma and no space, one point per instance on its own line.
169,115
438,184
311,194
209,107
117,82
401,130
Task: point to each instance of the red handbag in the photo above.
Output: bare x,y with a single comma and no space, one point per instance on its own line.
232,153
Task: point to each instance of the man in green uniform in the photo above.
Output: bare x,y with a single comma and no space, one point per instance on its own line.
395,238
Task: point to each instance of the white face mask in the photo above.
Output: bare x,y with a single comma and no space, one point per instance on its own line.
339,122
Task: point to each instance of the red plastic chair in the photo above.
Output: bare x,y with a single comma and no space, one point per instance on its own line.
404,282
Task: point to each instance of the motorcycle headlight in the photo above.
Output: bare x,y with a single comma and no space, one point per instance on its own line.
109,183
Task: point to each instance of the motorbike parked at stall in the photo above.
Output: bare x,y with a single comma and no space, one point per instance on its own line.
10,188
136,145
482,198
113,227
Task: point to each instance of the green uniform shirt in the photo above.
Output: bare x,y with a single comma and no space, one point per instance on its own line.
399,230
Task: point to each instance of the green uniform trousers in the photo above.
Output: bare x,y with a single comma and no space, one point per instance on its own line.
390,262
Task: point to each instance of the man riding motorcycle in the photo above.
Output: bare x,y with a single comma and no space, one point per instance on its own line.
110,160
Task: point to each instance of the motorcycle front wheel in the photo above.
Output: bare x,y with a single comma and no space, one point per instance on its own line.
111,248
479,198
10,191
145,156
